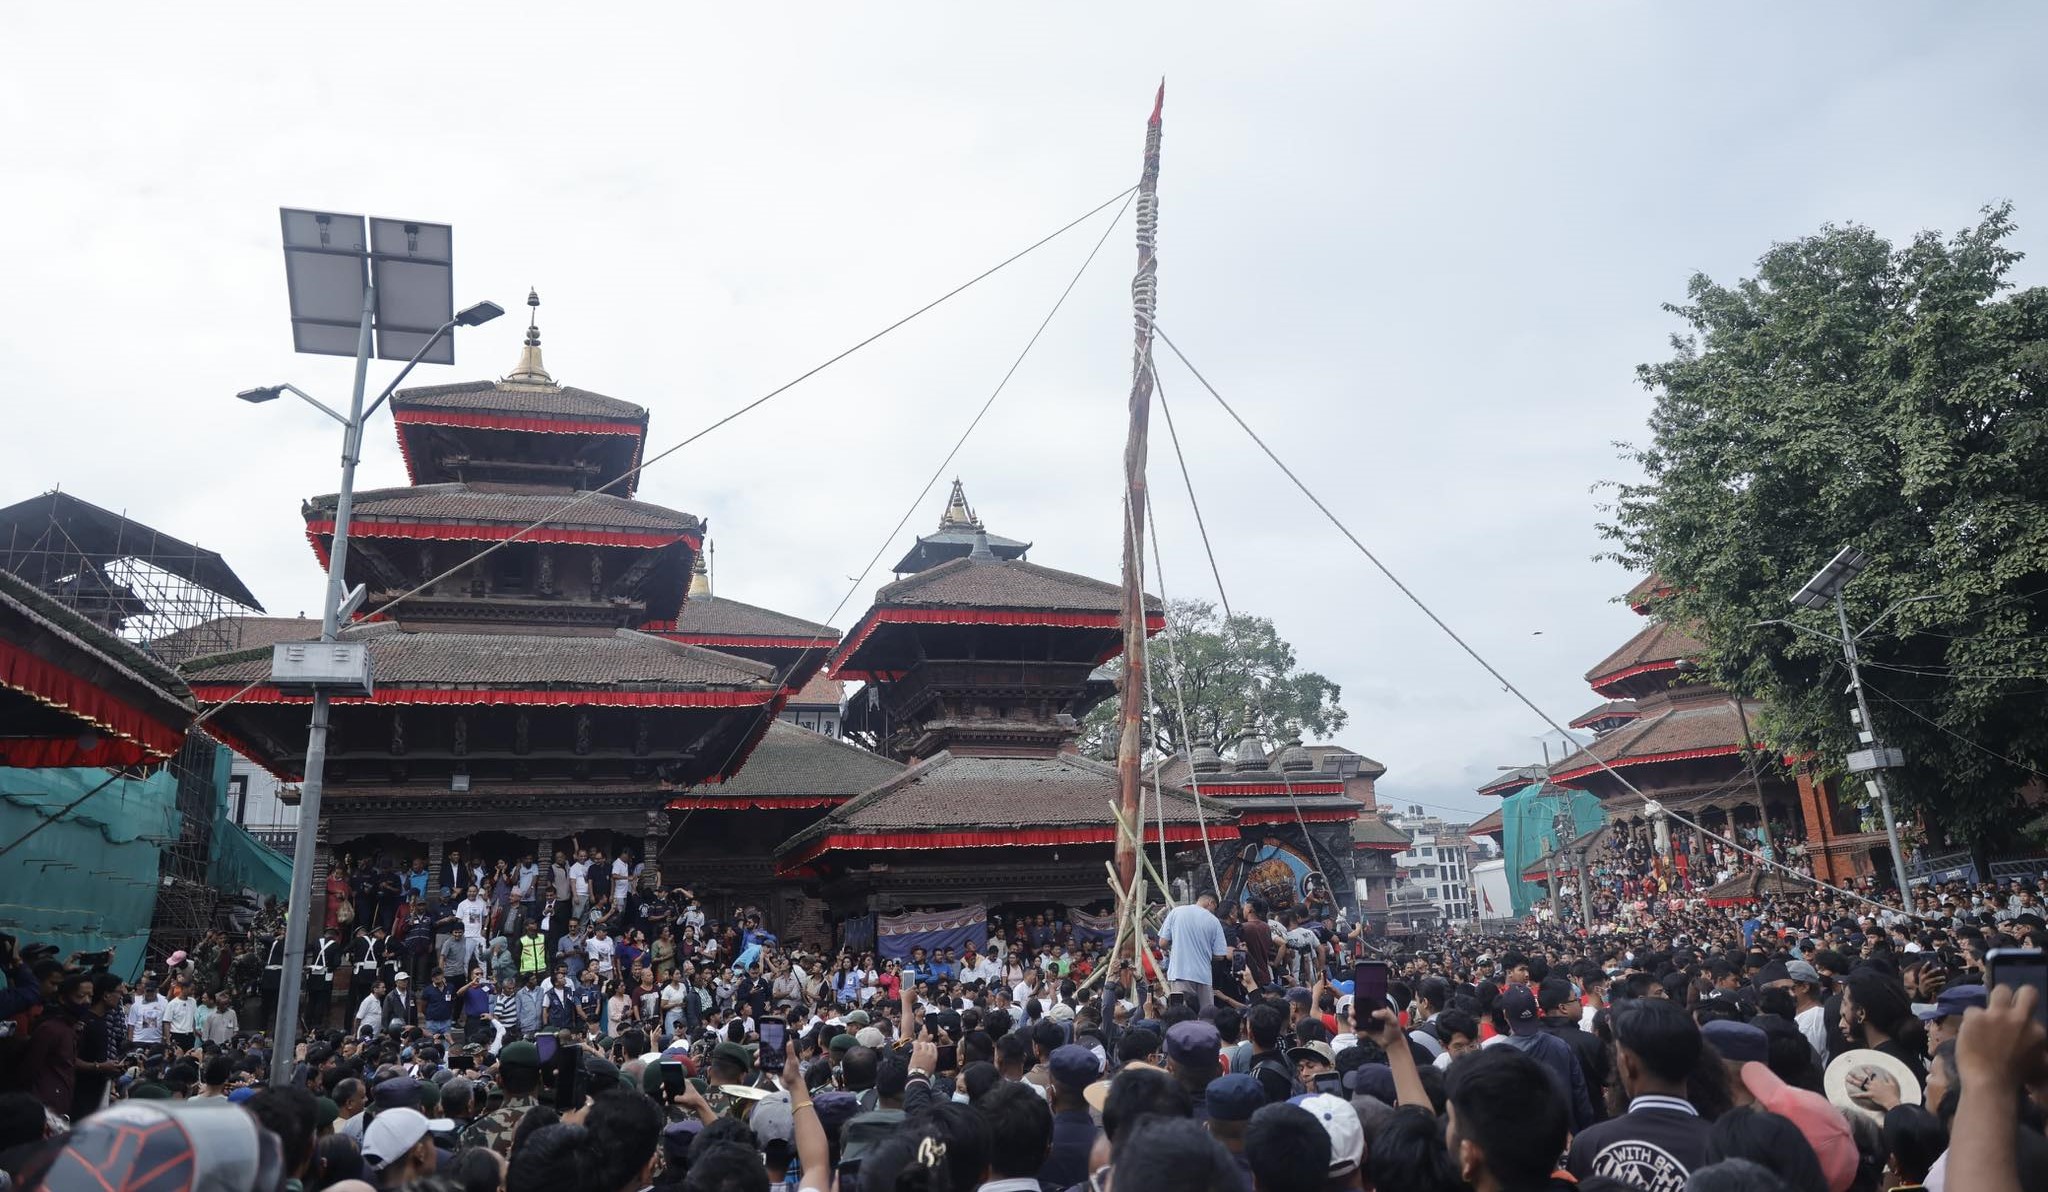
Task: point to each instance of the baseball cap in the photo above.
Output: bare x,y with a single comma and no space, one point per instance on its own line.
1060,1012
1314,1049
1073,1066
399,1092
871,1036
1519,1008
1193,1042
1340,1122
394,1132
1956,999
1820,1122
1738,1041
857,1018
773,1118
1802,972
1234,1098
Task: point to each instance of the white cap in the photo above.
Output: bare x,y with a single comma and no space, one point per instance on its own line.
394,1132
1340,1121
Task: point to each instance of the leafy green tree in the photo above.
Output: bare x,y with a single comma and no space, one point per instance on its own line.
1231,676
1894,398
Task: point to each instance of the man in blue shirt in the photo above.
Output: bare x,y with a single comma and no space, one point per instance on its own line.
589,1002
1194,937
920,967
942,965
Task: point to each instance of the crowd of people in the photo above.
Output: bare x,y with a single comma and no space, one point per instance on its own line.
496,1038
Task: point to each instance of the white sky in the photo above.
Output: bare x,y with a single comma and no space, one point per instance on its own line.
1422,247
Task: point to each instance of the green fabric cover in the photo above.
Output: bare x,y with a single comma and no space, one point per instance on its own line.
1527,818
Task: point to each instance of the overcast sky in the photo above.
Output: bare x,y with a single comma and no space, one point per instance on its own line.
1421,247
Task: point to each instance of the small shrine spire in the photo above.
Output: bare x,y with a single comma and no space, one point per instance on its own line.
530,370
958,515
700,574
981,550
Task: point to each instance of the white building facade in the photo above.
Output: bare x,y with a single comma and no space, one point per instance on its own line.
1439,861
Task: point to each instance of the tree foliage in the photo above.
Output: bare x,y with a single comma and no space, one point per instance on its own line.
1230,676
1890,397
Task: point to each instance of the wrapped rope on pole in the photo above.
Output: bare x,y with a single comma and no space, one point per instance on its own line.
1131,705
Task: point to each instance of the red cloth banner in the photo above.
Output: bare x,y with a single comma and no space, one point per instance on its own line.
1650,759
264,693
750,802
985,838
145,737
758,641
1602,682
1317,815
318,531
1231,790
546,426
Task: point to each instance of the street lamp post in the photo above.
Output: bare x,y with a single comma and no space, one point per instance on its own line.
1872,761
393,276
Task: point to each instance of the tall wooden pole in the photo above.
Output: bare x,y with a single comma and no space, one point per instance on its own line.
1144,303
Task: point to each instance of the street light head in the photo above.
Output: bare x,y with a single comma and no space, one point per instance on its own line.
262,393
482,312
1829,581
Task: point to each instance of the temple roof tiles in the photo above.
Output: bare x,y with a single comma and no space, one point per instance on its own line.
520,504
622,659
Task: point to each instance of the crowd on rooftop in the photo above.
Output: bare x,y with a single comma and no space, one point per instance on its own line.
1808,1041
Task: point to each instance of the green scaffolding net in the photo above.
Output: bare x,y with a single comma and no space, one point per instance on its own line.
1529,832
87,879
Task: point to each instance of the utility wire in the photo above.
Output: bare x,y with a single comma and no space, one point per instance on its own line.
1981,748
1230,627
917,501
1506,684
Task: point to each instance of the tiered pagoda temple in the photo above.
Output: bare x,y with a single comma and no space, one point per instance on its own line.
519,700
978,669
1692,746
582,680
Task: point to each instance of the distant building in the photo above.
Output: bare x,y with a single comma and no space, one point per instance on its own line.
1438,861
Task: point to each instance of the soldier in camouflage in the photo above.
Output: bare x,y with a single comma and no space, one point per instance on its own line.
519,1076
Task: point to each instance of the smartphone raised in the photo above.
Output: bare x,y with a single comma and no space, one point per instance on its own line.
2022,966
774,1043
673,1078
1368,987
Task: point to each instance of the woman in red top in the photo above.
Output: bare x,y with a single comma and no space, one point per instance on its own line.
890,982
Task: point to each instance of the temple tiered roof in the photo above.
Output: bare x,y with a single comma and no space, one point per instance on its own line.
1704,723
523,428
959,531
982,802
1658,650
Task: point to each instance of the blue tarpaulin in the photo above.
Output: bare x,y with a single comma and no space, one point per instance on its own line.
898,934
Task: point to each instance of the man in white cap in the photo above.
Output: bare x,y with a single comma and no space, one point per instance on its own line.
399,1145
1347,1138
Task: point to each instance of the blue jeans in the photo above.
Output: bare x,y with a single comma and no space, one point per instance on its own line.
438,1026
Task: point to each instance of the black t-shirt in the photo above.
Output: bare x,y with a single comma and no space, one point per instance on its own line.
1655,1146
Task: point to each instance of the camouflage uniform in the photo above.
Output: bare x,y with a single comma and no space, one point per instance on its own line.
495,1129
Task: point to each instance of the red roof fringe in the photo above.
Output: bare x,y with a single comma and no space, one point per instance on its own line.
140,737
473,532
265,693
1601,683
1651,759
1015,838
877,617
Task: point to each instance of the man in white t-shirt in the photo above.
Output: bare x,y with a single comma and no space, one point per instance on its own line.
181,1017
146,1019
622,877
579,884
370,1013
600,947
473,912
